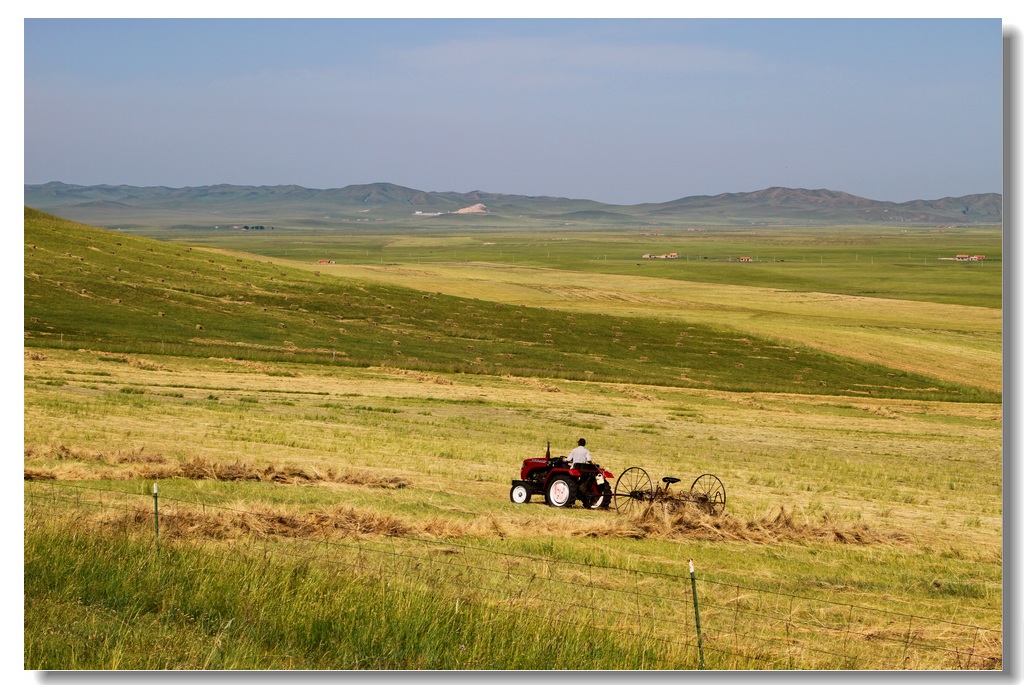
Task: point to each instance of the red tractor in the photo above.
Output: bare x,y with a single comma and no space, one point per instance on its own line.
562,483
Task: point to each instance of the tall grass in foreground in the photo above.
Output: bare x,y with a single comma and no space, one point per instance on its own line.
96,601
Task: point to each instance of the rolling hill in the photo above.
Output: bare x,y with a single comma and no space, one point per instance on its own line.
104,290
290,205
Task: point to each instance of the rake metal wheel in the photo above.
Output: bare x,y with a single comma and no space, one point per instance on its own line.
708,493
633,491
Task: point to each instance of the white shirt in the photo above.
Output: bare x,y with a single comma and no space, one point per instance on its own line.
579,455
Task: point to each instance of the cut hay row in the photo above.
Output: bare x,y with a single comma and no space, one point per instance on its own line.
675,523
675,520
417,375
154,467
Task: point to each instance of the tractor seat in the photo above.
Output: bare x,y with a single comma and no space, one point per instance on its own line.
668,480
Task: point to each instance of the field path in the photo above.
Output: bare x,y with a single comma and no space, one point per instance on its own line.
957,343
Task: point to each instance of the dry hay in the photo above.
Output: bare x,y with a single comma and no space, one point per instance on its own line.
986,652
885,412
416,375
370,479
676,501
773,527
61,452
141,465
532,383
231,343
247,519
255,366
636,394
130,361
258,521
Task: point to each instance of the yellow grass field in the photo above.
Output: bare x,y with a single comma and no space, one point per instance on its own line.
951,342
458,440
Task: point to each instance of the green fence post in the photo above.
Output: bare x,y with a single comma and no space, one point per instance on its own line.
156,518
696,614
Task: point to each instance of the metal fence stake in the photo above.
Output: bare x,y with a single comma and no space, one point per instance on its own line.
974,644
696,615
156,519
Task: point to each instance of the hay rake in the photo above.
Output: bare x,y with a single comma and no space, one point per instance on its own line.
635,493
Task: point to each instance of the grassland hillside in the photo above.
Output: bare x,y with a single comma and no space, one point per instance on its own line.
88,287
887,295
294,205
953,342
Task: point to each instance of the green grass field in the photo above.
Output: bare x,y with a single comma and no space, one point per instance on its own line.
883,262
334,453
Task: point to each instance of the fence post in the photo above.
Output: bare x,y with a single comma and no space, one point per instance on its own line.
974,644
906,646
156,518
846,640
696,614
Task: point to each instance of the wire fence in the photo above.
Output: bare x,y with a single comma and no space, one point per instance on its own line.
740,627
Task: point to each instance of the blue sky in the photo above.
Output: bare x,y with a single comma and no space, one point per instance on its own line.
621,111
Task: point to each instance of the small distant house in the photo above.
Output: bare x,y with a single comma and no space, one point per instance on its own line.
673,255
326,261
648,256
963,257
978,258
746,259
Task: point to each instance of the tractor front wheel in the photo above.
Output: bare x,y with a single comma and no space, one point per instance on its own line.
561,492
519,494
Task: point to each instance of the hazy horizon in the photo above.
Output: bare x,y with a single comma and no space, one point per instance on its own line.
492,191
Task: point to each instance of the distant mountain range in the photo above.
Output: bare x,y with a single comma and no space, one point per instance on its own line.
292,205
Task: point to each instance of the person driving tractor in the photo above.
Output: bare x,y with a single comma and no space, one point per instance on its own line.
564,480
579,454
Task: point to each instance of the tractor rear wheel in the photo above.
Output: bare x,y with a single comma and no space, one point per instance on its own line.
561,492
602,499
